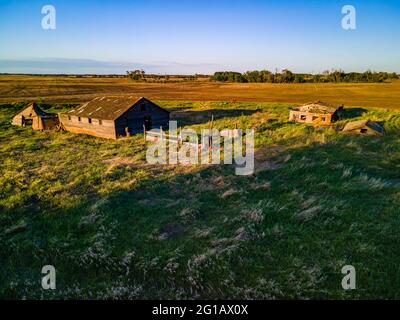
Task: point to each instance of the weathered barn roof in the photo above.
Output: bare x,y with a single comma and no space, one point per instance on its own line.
317,107
106,108
32,110
355,125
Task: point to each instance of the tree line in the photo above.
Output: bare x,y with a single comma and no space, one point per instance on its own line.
142,76
286,76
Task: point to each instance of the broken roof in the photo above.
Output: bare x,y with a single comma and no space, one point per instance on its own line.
317,107
105,108
355,125
32,109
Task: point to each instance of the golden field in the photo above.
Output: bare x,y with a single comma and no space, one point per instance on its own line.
16,88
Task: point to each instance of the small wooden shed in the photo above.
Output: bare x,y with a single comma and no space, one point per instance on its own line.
364,127
115,117
318,113
35,117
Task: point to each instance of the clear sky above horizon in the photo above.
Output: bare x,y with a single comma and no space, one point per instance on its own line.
182,36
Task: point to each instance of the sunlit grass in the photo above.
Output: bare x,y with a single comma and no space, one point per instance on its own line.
115,227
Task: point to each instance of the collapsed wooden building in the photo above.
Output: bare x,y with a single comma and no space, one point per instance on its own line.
35,117
115,117
318,113
364,127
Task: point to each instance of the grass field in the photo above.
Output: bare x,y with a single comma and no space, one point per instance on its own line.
115,227
64,89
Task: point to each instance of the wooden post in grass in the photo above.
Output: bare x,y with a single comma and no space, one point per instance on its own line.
210,137
144,132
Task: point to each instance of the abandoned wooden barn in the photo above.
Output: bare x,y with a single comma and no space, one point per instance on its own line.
317,113
115,117
364,127
33,116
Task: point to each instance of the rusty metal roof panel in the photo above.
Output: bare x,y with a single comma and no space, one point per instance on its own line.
105,108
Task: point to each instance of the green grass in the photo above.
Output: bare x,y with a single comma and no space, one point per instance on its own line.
115,227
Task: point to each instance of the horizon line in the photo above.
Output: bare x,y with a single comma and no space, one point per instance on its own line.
83,66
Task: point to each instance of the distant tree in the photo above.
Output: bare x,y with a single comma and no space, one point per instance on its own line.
287,76
137,75
228,76
336,76
267,76
298,78
253,76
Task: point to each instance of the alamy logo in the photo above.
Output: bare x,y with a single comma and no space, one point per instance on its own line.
49,280
184,148
349,280
349,20
49,20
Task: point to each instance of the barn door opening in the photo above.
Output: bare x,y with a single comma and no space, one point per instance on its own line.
147,123
27,121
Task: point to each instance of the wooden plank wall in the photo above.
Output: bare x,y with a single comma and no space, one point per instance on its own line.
134,118
104,130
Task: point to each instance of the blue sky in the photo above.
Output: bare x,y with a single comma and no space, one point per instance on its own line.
182,36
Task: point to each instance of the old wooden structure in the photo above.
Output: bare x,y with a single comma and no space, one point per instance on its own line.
35,117
115,117
317,113
364,127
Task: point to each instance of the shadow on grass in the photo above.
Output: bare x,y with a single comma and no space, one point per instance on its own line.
350,113
179,237
211,234
185,117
